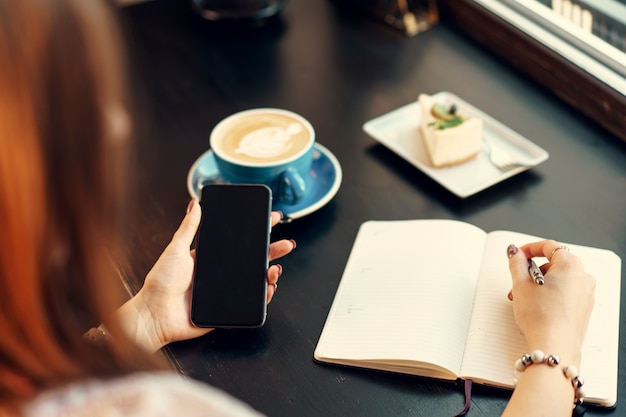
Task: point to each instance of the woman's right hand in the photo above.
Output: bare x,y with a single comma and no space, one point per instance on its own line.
553,316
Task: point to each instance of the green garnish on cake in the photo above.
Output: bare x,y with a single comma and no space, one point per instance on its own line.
445,117
449,137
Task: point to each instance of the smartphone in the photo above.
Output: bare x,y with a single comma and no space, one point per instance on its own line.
229,284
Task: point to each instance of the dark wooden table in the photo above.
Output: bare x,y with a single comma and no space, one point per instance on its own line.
340,70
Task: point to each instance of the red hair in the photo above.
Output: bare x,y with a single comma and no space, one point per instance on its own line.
61,174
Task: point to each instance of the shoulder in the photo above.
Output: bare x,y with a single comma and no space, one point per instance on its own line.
154,394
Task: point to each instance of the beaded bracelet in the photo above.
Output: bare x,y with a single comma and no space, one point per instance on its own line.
570,371
97,336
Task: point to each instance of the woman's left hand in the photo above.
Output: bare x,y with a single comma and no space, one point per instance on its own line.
160,313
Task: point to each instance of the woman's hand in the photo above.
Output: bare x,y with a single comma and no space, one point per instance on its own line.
554,318
554,315
159,313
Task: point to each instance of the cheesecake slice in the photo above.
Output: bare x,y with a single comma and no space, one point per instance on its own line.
449,137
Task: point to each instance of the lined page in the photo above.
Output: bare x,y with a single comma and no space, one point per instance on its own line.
406,295
495,342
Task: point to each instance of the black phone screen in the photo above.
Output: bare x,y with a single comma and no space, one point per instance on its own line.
229,285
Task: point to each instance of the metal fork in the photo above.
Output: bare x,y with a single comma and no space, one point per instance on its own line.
500,158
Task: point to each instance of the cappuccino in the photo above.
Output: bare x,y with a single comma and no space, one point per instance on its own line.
266,146
260,137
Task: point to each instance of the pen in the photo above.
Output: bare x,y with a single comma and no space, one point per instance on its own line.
535,272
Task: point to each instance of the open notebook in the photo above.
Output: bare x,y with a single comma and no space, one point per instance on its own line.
429,298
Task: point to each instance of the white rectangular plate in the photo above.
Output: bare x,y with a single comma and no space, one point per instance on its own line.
398,130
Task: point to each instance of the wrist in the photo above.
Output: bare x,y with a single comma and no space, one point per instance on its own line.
567,346
136,321
545,365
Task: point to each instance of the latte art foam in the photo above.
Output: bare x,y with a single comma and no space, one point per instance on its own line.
261,137
269,142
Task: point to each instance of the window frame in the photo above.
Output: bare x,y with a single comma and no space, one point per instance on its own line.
506,35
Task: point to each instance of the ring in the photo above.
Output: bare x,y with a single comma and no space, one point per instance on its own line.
556,249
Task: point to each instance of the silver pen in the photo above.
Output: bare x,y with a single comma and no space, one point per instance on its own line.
535,272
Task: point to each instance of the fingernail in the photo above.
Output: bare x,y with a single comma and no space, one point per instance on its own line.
190,205
293,242
511,250
510,295
280,269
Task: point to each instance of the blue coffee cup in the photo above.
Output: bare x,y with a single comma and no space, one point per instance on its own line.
266,146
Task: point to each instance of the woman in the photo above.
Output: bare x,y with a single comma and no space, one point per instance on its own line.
64,127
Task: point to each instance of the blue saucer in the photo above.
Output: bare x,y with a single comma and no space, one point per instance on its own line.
325,174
